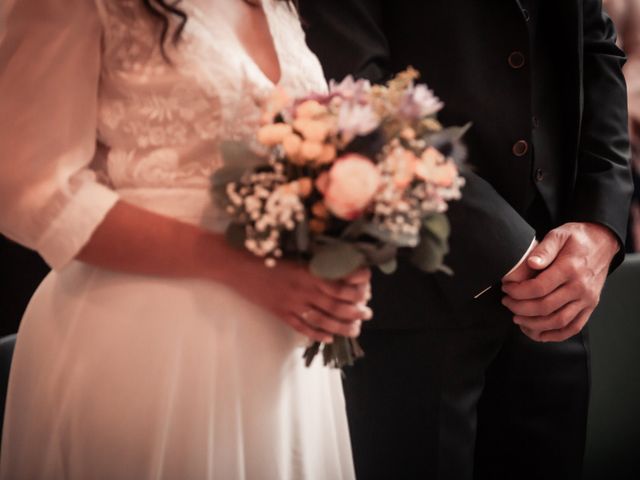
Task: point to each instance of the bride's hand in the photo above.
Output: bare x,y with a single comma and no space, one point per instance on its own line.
314,307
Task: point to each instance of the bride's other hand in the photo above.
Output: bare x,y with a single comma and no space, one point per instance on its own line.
314,307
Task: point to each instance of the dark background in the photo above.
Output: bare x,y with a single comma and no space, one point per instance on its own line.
21,271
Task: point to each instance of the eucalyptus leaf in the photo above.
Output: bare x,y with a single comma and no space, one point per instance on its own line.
438,225
240,154
429,254
226,175
390,267
354,229
446,270
336,261
302,236
385,236
444,139
377,253
236,235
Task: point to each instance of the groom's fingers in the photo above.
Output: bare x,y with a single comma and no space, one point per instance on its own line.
542,307
546,251
570,330
540,286
556,321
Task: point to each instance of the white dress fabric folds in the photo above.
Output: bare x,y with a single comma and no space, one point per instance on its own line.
130,377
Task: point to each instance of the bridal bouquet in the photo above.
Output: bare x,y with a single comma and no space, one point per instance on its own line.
349,179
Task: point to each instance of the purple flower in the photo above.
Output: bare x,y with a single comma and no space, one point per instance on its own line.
355,119
350,89
419,102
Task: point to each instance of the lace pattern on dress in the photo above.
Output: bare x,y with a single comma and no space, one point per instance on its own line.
161,122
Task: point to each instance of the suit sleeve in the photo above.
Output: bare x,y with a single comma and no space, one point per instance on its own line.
603,177
488,237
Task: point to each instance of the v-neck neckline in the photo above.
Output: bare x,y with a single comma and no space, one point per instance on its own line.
265,5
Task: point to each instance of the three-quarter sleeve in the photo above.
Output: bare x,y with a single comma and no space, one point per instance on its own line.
50,55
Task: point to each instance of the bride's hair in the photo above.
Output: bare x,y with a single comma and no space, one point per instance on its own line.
162,10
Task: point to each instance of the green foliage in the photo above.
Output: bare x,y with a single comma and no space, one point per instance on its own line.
336,260
389,267
434,244
236,235
238,159
385,236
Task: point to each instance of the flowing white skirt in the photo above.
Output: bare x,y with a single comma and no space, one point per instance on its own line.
125,377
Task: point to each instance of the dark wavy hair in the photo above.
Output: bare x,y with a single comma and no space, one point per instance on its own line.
163,10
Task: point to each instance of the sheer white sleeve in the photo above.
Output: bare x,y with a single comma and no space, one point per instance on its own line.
50,52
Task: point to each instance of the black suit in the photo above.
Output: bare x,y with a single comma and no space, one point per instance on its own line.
544,90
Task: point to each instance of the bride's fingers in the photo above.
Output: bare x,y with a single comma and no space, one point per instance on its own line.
295,322
344,292
319,320
341,311
359,277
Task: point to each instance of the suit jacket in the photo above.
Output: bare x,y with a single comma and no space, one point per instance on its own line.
549,117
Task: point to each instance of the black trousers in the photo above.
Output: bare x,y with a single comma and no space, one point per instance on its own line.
476,402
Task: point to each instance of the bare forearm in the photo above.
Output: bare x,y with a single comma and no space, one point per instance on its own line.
134,240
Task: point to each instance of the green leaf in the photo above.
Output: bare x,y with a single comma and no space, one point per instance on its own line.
336,261
238,159
438,225
302,236
240,154
429,254
236,235
354,229
385,236
377,253
390,267
226,175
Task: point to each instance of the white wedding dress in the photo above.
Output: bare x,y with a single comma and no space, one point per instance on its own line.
130,377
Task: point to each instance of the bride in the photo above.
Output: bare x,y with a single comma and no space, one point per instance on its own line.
154,350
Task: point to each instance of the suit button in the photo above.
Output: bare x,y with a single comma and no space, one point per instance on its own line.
516,60
520,148
526,15
539,175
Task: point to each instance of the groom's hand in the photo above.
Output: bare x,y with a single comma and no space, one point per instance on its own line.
572,261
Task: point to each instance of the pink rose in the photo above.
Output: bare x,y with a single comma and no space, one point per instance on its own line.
349,186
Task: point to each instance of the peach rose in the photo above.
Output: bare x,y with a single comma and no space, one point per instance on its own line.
310,150
350,185
328,154
291,144
273,134
310,109
404,164
435,168
314,130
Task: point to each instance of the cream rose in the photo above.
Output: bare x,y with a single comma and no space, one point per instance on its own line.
350,185
435,168
273,134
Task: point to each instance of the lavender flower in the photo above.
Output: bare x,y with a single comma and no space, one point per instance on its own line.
419,102
355,119
351,89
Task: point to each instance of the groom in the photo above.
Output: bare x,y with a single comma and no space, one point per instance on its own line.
486,374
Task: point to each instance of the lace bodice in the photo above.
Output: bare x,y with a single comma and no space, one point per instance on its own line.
162,122
94,114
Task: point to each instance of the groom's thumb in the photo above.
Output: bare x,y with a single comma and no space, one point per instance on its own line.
546,252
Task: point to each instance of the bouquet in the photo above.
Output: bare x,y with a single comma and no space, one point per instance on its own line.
353,178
